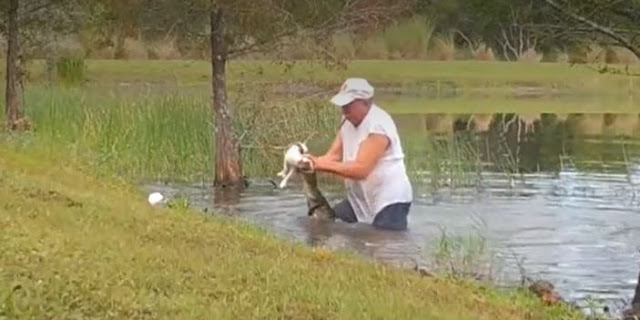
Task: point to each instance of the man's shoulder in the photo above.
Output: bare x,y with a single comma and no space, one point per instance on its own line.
380,112
382,116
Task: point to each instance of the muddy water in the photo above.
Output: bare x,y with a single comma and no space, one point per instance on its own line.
566,208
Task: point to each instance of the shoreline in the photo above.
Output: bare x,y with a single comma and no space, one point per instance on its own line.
95,242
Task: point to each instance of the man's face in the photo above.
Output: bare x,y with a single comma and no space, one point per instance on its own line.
355,111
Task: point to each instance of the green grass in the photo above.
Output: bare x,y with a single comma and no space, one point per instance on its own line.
506,103
142,137
75,246
472,74
158,130
70,70
168,136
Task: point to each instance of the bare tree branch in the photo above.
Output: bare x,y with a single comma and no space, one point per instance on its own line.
579,29
628,12
258,45
35,9
596,27
354,15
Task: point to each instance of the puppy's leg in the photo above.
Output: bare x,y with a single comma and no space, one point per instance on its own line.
284,168
283,183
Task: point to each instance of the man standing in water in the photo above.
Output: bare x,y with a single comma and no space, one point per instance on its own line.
368,154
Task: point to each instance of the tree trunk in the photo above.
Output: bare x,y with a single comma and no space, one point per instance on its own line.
12,98
119,52
228,169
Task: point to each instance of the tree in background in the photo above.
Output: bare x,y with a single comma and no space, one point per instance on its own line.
230,28
13,112
607,22
241,26
506,26
30,28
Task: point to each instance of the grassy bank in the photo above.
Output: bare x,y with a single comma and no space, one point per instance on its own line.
74,246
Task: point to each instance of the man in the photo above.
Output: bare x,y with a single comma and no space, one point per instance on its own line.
368,154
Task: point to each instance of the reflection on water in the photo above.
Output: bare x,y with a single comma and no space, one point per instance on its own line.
533,142
566,204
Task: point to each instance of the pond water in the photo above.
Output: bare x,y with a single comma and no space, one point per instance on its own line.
558,195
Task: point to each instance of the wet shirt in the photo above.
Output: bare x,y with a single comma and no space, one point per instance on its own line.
388,182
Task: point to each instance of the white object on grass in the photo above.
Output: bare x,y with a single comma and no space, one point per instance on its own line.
155,198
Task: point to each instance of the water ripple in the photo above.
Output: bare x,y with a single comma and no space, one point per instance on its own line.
578,230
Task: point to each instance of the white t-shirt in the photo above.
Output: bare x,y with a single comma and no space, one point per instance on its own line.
388,182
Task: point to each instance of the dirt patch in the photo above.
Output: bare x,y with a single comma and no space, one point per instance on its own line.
545,290
49,196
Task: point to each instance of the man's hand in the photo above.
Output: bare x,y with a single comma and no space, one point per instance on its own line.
312,162
306,164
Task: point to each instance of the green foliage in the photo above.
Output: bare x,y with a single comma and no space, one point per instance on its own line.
513,30
179,203
464,256
71,69
409,39
509,28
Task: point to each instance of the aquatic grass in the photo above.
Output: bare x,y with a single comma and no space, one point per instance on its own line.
75,246
154,138
469,256
461,256
443,161
169,136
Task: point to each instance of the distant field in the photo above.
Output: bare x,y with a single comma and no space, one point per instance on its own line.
380,72
507,104
402,86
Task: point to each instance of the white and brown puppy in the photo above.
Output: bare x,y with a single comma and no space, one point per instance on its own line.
293,158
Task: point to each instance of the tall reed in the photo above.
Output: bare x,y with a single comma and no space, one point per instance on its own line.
71,70
169,136
153,137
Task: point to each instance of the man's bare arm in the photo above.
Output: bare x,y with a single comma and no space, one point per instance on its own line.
371,150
